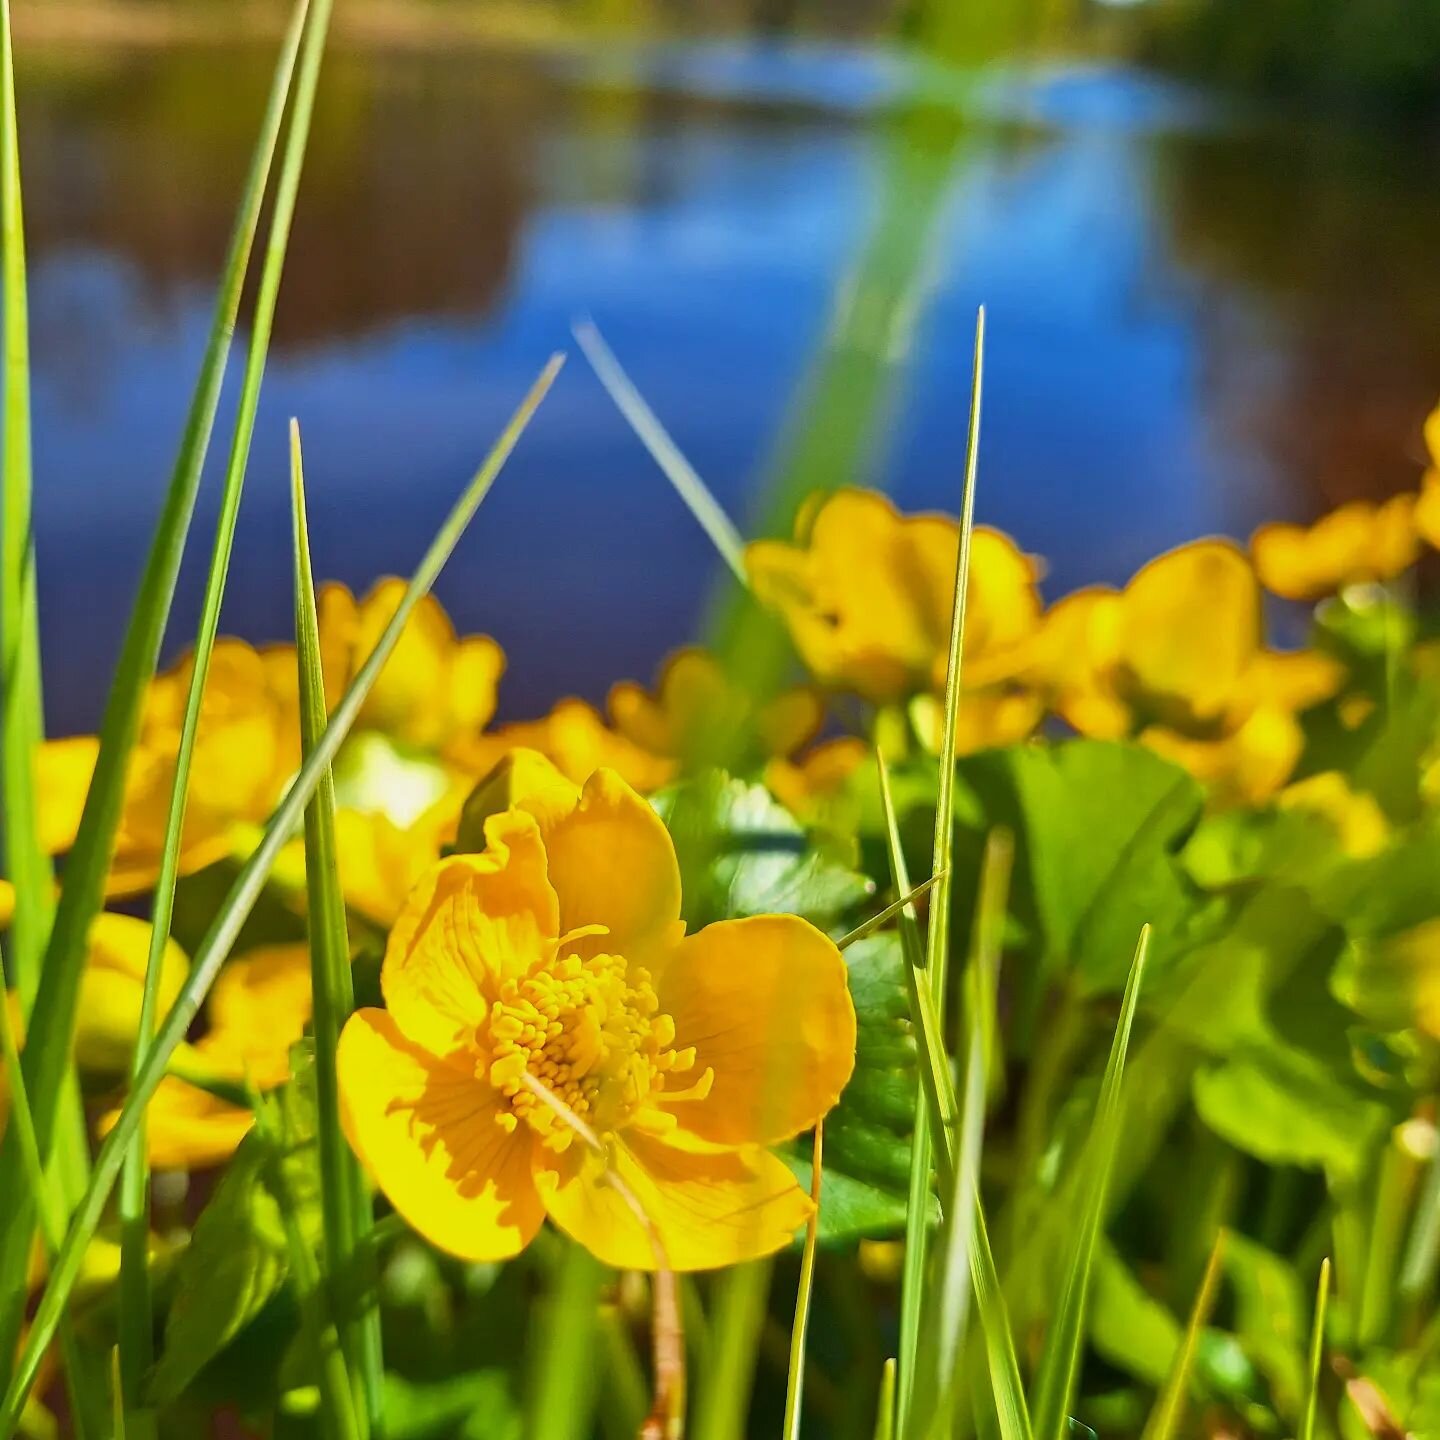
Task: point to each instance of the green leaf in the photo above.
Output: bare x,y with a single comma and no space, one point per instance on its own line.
1287,1108
1268,1318
867,1135
742,853
238,1257
1098,828
439,1409
1129,1327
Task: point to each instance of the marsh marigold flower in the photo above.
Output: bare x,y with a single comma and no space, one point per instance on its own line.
1178,659
866,594
554,967
1356,544
111,987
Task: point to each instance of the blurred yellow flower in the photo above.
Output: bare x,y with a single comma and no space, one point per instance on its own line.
1427,507
259,1007
1178,659
698,713
1357,819
436,691
813,787
576,740
866,594
1355,544
554,968
111,988
381,862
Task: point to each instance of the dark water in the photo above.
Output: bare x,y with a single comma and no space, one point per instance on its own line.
1199,318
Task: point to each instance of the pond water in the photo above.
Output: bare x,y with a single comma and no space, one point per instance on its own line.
1199,318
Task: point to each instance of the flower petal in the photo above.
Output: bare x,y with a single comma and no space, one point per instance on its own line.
612,863
709,1206
63,770
471,921
765,1003
429,1133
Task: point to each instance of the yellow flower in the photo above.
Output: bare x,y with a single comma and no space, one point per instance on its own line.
866,594
1178,659
554,966
1427,508
813,788
111,988
1357,819
697,713
258,1009
576,740
381,862
1356,544
435,691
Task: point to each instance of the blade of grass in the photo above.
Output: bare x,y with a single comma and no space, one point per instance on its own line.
663,450
21,719
938,1108
233,912
889,913
345,1201
1007,1389
737,1320
563,1394
1061,1360
939,1359
136,1321
1317,1352
47,1050
337,1401
937,940
800,1328
83,1405
885,1410
1169,1408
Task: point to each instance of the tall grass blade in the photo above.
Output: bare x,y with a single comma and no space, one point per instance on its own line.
236,908
937,1085
345,1201
885,1410
1061,1361
892,911
337,1402
51,1212
663,450
800,1327
48,1044
136,1322
940,1356
1317,1352
1164,1422
21,719
563,1396
737,1318
1007,1389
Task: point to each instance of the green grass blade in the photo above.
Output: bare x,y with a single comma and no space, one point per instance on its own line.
232,914
940,1356
800,1327
663,450
737,1319
136,1322
345,1202
1317,1352
50,1209
47,1050
563,1394
21,720
1061,1362
1007,1389
885,1410
1169,1409
891,912
337,1402
937,940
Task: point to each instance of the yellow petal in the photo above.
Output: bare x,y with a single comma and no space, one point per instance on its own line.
766,1004
1355,543
187,1128
1292,679
812,787
1358,821
1432,435
612,863
476,665
472,921
792,719
7,903
1245,767
380,863
431,1136
63,770
1190,630
264,996
526,778
1427,507
112,986
710,1207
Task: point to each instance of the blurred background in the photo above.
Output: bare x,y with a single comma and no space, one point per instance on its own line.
1206,232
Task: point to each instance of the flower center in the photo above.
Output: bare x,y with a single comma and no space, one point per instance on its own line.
590,1030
